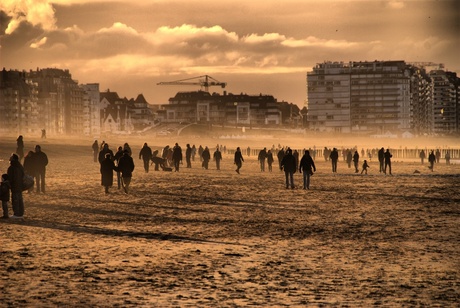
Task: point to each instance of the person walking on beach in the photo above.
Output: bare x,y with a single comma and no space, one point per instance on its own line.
288,164
205,157
217,156
116,159
105,150
447,157
334,156
381,156
177,156
15,177
438,156
146,155
193,153
126,167
40,162
95,148
307,165
261,158
107,167
188,156
349,158
431,160
280,156
356,161
387,159
20,147
422,156
270,160
5,195
365,166
238,160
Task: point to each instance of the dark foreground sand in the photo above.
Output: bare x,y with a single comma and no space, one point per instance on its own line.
207,238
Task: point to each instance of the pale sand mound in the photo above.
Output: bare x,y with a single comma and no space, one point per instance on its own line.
215,238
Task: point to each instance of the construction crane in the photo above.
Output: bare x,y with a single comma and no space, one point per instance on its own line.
205,83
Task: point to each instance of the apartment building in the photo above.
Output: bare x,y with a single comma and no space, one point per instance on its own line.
91,110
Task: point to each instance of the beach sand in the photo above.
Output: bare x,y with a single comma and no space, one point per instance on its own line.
208,238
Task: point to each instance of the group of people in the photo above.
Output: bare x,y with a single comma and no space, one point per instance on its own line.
434,158
12,182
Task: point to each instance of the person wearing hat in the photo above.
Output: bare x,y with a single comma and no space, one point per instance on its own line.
288,164
15,176
41,161
126,167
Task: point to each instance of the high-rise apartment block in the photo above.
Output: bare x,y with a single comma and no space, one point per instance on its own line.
381,96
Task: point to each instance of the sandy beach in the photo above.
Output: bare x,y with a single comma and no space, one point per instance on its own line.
209,238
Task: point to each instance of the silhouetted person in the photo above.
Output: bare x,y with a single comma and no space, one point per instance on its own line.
95,148
432,160
261,158
349,158
40,161
126,147
20,147
307,166
200,152
116,159
177,156
387,158
206,157
438,155
159,162
447,156
280,156
238,160
43,133
5,195
365,166
334,156
107,168
105,150
422,156
288,164
126,167
193,153
146,155
381,156
356,161
270,160
217,156
248,151
15,177
188,156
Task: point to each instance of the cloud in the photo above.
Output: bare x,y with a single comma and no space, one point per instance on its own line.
35,12
39,43
394,4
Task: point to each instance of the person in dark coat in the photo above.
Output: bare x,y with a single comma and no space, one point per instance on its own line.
126,167
422,156
105,150
206,157
289,166
261,158
356,161
40,162
146,155
217,156
387,159
20,147
280,156
349,158
177,156
381,156
334,156
116,159
107,167
5,195
15,176
431,160
307,165
29,166
95,148
365,167
270,160
188,156
238,160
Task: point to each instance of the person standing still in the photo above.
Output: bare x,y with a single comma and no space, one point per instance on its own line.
431,160
126,167
288,164
95,148
15,176
381,156
387,158
261,158
238,160
41,161
188,156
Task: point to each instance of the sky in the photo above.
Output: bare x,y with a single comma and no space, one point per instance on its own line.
256,47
